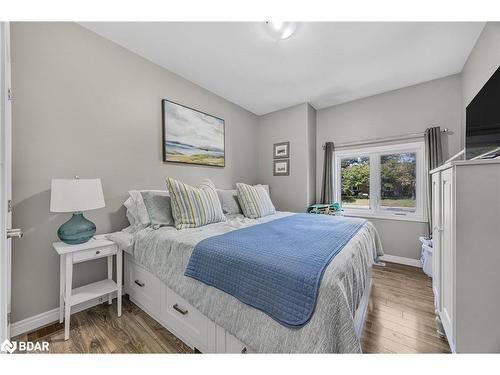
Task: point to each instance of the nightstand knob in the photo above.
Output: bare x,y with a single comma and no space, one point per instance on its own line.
98,252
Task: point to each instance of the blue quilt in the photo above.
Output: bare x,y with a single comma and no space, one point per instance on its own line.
277,266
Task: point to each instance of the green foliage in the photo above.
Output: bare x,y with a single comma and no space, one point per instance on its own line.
355,178
398,177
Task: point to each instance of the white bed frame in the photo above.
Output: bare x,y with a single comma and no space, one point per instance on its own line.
187,323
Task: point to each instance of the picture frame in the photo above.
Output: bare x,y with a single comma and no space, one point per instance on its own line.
190,136
281,150
281,167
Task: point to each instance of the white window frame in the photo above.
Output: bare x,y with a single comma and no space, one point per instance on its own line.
374,153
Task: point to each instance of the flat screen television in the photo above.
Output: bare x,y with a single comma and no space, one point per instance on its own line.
483,120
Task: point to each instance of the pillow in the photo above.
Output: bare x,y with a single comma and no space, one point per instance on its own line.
158,206
266,188
131,212
254,201
194,207
136,209
229,201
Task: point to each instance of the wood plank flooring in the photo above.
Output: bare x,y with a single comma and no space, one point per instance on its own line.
400,315
400,319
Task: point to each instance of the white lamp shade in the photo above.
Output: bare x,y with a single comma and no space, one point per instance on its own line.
73,195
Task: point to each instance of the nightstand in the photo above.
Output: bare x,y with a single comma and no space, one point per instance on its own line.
97,247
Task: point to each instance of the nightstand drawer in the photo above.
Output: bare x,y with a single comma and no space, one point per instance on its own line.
83,256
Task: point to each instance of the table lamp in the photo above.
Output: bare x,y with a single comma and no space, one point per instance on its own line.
76,195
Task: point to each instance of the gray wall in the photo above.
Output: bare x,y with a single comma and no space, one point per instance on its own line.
311,148
482,62
296,125
85,106
408,110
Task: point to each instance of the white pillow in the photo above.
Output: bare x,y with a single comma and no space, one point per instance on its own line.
266,188
131,212
139,210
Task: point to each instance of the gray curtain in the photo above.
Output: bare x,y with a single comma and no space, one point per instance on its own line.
434,158
327,184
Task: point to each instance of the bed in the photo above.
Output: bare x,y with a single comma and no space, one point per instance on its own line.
211,320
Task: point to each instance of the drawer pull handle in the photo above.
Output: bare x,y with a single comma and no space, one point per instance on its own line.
98,252
179,309
244,350
139,283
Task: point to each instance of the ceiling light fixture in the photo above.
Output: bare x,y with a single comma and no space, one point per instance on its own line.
281,30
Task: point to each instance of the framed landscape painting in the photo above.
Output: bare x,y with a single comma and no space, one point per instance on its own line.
281,167
191,136
281,150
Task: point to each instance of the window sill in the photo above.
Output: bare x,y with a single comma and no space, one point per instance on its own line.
371,215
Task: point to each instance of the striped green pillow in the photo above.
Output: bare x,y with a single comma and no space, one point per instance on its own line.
254,201
194,207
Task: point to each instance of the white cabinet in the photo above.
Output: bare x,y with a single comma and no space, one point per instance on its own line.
447,253
466,253
436,240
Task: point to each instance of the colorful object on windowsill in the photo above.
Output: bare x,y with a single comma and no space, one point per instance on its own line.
76,195
326,209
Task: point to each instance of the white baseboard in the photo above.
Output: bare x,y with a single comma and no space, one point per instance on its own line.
34,322
401,260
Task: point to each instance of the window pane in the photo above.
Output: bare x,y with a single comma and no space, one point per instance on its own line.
355,182
398,181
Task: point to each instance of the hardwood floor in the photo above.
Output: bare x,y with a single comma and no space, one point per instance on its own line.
400,315
99,330
400,319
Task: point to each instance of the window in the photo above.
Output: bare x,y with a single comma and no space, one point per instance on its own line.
382,181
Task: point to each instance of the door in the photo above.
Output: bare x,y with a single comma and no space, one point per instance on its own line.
436,239
5,181
448,254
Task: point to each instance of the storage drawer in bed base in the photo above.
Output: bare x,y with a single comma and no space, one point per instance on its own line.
187,323
175,313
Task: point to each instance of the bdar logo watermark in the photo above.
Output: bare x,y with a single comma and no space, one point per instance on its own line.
8,346
24,346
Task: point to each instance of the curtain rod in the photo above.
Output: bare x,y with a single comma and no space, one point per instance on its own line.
386,139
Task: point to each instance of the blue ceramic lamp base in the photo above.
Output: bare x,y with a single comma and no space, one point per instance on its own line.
76,230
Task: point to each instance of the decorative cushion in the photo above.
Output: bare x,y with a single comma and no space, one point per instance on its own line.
229,201
254,201
194,207
159,209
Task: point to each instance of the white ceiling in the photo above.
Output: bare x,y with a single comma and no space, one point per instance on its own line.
322,63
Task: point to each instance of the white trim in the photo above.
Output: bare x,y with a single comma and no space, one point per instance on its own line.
5,181
369,215
401,260
34,322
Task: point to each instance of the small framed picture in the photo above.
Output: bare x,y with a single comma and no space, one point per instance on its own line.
282,150
281,167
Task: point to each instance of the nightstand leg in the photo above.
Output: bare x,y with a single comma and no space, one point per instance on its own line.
62,277
119,257
67,295
110,276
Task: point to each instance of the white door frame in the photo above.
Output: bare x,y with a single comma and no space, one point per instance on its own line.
5,180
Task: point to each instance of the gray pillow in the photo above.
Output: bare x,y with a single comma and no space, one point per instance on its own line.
158,206
229,201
